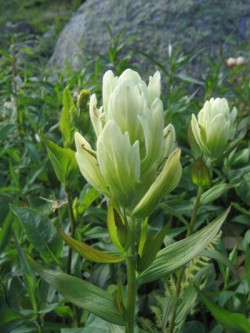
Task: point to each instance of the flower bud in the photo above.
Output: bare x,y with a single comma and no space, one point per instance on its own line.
214,127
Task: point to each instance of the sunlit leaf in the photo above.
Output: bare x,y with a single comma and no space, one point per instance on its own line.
88,252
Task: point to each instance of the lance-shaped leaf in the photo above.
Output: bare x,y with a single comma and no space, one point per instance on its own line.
117,228
65,119
63,161
81,293
88,252
150,249
179,253
215,192
233,322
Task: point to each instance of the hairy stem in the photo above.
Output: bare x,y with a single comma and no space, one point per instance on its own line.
182,270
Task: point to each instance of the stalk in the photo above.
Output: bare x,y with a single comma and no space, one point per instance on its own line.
72,229
181,274
131,281
69,263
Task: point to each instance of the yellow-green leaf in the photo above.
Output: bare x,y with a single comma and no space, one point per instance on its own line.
88,252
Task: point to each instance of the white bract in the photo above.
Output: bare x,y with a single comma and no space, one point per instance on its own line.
215,127
136,160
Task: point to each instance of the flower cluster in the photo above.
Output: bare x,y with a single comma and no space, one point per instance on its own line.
136,160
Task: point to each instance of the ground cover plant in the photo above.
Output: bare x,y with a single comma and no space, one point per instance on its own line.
96,244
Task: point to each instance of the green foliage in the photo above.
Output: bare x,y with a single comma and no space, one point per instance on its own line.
88,252
234,322
81,293
178,254
64,163
35,188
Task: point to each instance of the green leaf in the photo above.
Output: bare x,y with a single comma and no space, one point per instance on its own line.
81,293
234,322
187,78
40,232
63,161
116,226
6,230
10,318
88,252
150,249
179,253
28,276
221,258
86,199
65,121
96,325
215,192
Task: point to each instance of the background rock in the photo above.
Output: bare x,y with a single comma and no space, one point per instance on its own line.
187,24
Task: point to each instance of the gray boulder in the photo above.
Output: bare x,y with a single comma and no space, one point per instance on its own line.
215,25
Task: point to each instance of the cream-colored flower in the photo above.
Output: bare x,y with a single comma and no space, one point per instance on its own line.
136,160
214,127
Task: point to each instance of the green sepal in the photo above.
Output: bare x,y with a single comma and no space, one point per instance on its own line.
195,148
200,173
233,322
81,293
87,251
64,163
117,226
151,248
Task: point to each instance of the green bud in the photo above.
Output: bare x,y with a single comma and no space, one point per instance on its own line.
200,173
214,127
80,115
83,101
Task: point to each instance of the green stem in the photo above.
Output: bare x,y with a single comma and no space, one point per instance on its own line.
131,281
72,233
72,230
195,211
181,274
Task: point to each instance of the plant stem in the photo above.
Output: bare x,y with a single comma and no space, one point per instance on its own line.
72,230
195,211
72,233
131,281
181,274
